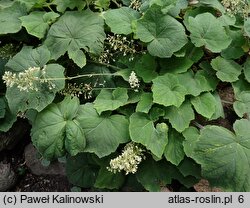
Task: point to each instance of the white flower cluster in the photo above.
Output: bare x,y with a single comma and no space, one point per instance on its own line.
129,160
27,80
135,4
133,81
234,7
116,45
78,90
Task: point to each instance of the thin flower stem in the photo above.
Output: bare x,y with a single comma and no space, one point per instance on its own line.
116,3
79,76
107,65
108,88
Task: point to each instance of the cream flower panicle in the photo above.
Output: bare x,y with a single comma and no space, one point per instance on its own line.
27,80
134,81
129,160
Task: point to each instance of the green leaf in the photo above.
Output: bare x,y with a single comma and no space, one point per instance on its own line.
191,135
219,111
9,16
142,130
208,31
145,68
166,5
37,100
145,103
164,34
195,83
168,91
2,107
7,119
174,152
235,49
37,23
75,141
205,104
77,56
29,57
82,170
189,167
247,26
180,117
31,3
227,70
102,4
103,133
212,3
109,180
223,154
110,100
175,65
246,69
242,104
75,31
62,5
56,130
154,175
120,20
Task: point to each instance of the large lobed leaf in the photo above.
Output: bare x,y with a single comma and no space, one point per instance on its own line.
9,18
164,34
120,20
142,130
75,31
103,133
110,100
168,91
38,100
208,31
37,23
56,130
225,155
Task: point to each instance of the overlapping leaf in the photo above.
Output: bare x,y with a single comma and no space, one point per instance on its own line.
120,20
37,23
223,154
168,91
38,100
227,70
164,34
103,133
207,31
174,152
110,100
56,130
9,16
205,104
180,117
75,31
142,130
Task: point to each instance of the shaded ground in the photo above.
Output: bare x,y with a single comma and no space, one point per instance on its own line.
26,181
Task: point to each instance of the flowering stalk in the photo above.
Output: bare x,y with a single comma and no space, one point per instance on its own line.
131,157
30,79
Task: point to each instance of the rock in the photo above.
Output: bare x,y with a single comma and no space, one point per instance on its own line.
204,186
35,166
7,177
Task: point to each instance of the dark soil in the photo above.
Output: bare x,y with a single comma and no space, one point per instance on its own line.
26,181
